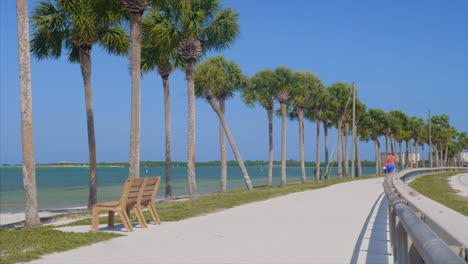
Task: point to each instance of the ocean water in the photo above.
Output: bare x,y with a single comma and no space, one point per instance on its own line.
63,187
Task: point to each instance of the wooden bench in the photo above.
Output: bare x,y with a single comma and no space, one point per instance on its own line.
131,197
148,199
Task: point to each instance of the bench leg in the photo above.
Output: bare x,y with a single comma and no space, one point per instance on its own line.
154,213
140,216
110,219
95,219
126,221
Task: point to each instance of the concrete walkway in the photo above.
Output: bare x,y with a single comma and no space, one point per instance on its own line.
343,223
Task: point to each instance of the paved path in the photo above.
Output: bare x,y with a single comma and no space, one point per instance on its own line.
343,223
460,182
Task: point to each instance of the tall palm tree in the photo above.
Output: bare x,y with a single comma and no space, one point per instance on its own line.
198,26
215,78
76,26
161,55
305,87
320,112
340,94
135,8
29,165
360,116
284,80
260,89
375,125
400,132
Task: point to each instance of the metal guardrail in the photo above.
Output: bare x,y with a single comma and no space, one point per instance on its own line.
415,236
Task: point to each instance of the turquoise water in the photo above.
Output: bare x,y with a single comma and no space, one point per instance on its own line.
62,187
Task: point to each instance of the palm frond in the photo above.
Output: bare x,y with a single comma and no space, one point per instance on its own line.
222,31
114,40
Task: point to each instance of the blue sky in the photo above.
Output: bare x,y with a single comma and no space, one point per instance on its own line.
407,55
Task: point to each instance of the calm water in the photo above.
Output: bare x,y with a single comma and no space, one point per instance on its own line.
62,187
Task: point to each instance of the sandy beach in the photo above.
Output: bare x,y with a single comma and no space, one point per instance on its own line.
11,220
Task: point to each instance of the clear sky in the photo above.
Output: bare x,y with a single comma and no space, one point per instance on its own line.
407,55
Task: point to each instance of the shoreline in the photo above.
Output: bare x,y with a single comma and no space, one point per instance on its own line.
14,219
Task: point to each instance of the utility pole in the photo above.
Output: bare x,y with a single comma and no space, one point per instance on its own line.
353,155
430,139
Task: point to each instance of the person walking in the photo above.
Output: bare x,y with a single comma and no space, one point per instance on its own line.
390,163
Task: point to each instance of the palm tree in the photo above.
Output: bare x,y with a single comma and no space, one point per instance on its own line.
320,111
360,115
260,89
75,26
217,78
29,165
198,26
135,8
399,130
340,94
305,87
375,125
161,55
284,80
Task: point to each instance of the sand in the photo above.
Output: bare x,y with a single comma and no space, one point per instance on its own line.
11,220
342,223
460,182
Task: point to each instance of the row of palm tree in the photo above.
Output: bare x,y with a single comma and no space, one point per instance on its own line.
175,34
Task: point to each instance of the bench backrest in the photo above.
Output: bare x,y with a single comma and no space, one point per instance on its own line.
150,190
132,191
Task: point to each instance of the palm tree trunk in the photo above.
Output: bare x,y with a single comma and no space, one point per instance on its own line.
190,74
387,138
135,33
29,165
436,155
327,161
222,145
283,144
422,156
407,158
358,160
85,65
270,137
346,152
377,158
380,159
340,169
317,153
300,117
401,156
167,116
446,153
215,107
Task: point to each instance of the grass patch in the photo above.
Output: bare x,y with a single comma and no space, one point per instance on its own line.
437,188
178,210
27,245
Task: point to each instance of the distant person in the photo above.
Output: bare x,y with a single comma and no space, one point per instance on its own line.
390,163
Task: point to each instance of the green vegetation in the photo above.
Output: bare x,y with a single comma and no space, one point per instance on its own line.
27,245
436,187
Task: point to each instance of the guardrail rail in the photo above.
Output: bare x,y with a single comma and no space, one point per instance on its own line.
422,230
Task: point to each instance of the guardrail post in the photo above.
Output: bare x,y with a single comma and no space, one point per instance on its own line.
401,244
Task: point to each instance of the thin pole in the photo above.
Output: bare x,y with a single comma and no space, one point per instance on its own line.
430,139
353,152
